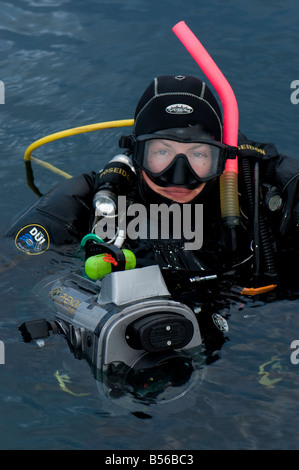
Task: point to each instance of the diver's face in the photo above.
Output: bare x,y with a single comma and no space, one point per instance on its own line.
162,152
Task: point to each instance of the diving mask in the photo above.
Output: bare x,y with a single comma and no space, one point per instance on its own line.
176,159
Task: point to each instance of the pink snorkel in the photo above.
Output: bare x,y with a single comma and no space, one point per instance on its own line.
229,179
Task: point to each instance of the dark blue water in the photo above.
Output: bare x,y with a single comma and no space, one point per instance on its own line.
69,63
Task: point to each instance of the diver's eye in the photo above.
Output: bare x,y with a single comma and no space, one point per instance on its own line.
162,152
197,154
200,155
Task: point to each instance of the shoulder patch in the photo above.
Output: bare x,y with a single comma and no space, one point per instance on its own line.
32,239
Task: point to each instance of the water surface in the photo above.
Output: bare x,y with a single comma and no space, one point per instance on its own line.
66,64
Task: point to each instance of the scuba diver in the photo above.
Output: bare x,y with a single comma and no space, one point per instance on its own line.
176,156
169,174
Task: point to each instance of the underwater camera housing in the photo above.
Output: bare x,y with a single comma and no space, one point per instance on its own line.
123,318
135,337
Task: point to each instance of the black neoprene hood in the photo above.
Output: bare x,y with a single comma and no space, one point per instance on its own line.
177,101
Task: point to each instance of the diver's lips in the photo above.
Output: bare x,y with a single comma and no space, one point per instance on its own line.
177,192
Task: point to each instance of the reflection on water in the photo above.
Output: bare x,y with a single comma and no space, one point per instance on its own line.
66,64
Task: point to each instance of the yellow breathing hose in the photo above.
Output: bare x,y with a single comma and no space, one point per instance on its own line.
67,133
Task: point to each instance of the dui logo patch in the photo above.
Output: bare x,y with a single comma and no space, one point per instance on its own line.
32,239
